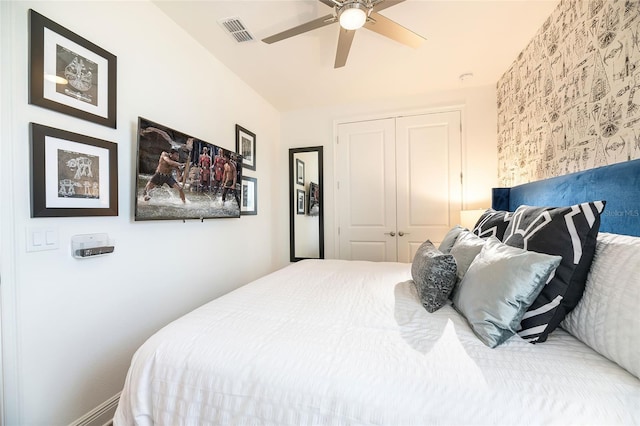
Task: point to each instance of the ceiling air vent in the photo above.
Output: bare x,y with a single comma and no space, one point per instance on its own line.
236,29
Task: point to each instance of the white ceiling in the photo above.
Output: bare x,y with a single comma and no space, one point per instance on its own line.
478,36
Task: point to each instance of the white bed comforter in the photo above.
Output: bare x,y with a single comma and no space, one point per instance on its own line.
336,342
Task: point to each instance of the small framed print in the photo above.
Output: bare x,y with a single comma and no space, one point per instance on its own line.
299,171
314,199
249,196
246,146
72,174
300,201
69,74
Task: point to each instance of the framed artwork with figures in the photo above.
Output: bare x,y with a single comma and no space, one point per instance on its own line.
70,74
72,174
180,176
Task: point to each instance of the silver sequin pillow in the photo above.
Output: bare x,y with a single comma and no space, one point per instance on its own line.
434,275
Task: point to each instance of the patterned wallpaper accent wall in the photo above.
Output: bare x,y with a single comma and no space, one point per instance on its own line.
571,100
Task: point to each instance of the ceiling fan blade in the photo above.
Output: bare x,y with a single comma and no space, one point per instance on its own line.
393,30
344,45
300,29
385,4
329,3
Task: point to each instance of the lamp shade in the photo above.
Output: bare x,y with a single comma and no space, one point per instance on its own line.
353,16
468,218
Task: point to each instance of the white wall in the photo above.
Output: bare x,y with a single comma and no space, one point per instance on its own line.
313,127
70,326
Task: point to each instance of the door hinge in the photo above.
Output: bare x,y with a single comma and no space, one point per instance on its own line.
338,230
338,184
461,181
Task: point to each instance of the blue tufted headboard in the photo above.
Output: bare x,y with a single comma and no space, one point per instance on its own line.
618,184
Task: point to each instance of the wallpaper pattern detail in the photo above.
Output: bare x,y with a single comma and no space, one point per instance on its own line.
571,100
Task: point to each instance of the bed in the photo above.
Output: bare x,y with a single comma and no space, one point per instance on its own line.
337,342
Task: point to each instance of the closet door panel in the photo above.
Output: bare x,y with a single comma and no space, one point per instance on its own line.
366,182
428,149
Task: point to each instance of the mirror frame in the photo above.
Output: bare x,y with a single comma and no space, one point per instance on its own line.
292,204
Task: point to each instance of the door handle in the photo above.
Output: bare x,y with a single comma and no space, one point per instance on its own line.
393,234
403,233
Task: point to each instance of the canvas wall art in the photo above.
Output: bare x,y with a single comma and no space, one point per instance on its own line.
183,177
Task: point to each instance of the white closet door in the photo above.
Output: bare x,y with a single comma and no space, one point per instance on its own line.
429,189
399,184
365,169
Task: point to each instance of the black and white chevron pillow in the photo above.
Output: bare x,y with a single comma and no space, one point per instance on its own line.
492,223
569,232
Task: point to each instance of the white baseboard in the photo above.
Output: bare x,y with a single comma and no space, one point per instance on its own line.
102,415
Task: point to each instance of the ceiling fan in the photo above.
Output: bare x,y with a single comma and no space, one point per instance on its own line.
354,14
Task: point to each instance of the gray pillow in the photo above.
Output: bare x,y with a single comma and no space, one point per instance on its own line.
449,239
500,285
434,275
465,249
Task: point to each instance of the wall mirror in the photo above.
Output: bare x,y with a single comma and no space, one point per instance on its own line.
306,216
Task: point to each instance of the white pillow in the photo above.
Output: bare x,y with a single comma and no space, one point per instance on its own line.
607,318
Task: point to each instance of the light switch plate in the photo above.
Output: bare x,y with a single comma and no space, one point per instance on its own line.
39,239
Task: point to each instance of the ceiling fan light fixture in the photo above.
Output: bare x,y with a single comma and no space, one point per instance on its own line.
352,16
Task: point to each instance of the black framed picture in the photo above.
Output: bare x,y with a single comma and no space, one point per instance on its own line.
69,74
249,204
300,201
299,171
72,174
246,146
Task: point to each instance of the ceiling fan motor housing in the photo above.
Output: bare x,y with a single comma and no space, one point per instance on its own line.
353,13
